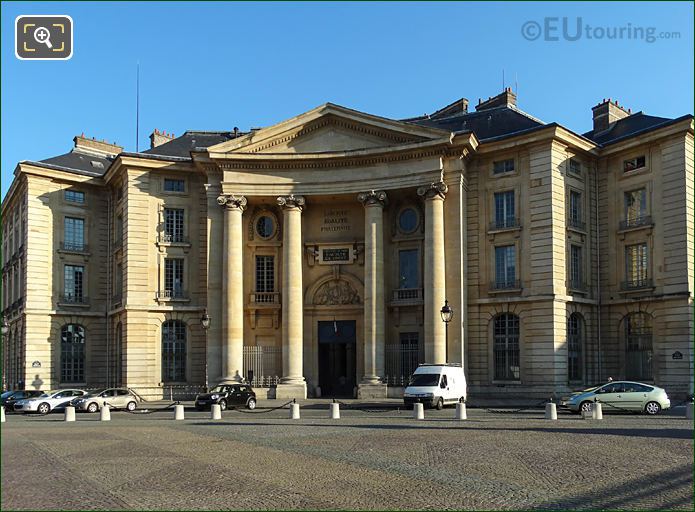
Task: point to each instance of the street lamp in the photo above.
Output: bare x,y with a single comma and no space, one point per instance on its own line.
4,329
205,323
447,314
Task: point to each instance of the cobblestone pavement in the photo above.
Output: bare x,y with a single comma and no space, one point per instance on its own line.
366,460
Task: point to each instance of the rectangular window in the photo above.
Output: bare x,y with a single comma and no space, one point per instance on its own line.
173,225
173,277
502,166
74,283
504,210
575,166
635,206
172,185
576,216
634,163
636,261
576,275
408,275
74,196
265,278
74,234
505,267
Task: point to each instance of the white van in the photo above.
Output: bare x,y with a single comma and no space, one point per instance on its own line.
436,385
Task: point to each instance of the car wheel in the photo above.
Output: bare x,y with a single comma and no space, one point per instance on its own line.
652,408
223,405
131,406
93,407
440,404
251,404
585,407
43,408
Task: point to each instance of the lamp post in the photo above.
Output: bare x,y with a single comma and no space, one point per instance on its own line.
205,323
447,314
4,329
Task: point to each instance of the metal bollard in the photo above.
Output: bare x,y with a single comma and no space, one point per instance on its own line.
335,411
294,411
418,411
550,411
461,411
597,411
178,412
105,413
216,412
688,411
69,413
2,415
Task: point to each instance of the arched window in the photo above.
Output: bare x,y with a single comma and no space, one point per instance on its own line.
575,333
506,347
72,340
638,346
173,351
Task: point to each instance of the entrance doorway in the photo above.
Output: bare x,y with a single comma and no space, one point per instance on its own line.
337,358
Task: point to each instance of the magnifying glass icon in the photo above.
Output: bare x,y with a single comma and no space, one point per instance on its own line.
43,36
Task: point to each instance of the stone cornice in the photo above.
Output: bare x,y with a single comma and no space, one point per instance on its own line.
373,198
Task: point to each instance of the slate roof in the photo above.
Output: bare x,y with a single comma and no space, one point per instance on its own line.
80,162
636,123
486,124
183,145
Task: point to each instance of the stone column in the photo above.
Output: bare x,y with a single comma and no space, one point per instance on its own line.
374,329
434,282
232,289
292,384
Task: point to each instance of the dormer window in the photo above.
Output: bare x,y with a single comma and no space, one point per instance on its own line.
74,196
634,163
503,166
575,166
172,185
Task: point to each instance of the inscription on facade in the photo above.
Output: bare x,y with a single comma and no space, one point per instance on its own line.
336,255
335,220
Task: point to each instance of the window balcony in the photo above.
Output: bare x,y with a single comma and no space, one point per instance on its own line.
73,300
505,285
175,238
265,298
636,223
636,285
407,295
172,295
578,285
577,224
79,247
505,224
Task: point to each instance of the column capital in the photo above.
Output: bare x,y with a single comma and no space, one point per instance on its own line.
373,198
433,190
291,202
230,202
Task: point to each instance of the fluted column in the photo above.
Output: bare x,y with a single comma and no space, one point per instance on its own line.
292,295
374,331
434,282
232,289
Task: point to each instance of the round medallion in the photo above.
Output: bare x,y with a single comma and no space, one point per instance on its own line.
408,220
265,227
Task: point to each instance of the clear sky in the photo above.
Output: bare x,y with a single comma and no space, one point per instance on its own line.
214,66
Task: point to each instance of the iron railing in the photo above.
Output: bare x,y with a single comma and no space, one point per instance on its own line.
505,284
265,363
636,284
74,246
401,361
644,220
73,299
172,294
174,238
576,223
505,223
407,294
578,285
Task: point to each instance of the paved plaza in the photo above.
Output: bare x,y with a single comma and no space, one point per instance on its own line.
366,460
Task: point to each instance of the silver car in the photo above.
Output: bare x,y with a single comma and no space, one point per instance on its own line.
620,395
49,401
116,398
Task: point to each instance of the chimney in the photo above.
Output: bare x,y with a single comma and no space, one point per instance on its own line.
507,98
98,147
158,138
606,113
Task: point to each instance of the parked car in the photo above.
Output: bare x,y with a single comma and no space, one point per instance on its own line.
436,385
117,398
633,396
9,398
48,401
227,395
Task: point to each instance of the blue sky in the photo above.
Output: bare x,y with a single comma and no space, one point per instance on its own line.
214,66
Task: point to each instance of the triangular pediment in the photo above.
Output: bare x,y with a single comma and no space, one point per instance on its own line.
329,128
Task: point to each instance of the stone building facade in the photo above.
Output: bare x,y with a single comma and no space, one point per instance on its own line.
324,247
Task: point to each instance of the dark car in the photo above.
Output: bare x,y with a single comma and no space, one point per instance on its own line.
10,397
227,395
